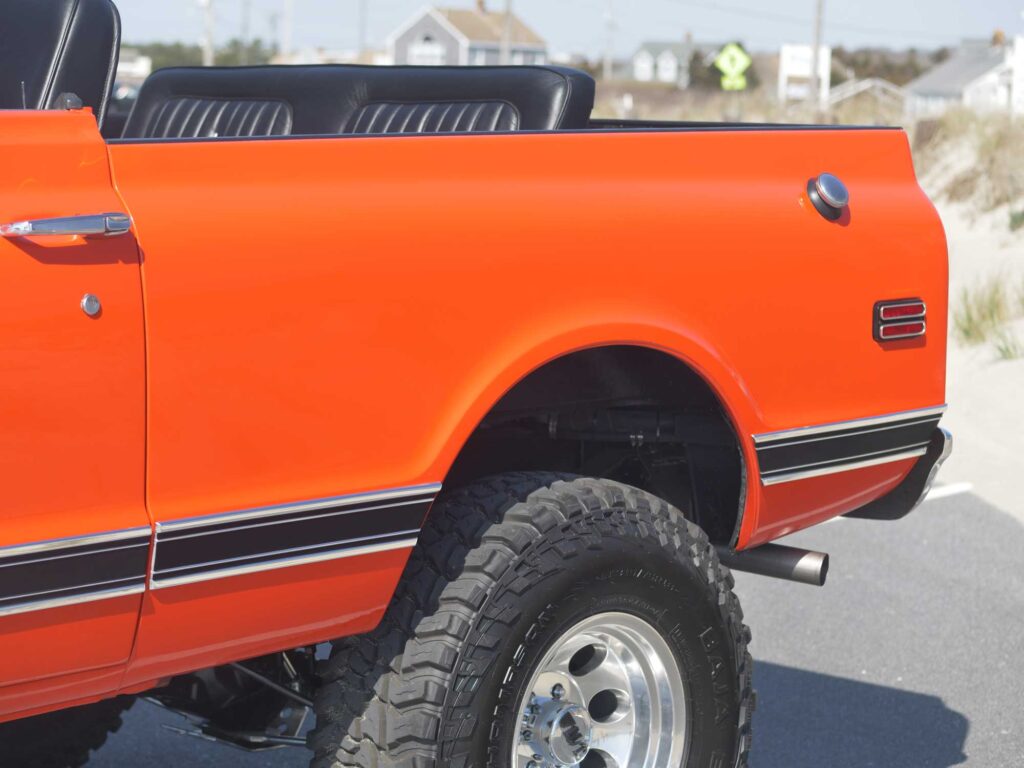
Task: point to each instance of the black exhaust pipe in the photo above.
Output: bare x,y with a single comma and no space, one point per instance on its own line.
779,562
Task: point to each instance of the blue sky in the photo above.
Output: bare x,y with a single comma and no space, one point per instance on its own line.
579,25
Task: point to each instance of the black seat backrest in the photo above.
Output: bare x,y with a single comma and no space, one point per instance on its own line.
200,102
52,47
460,99
196,102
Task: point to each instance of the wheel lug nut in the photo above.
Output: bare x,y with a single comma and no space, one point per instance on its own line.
558,691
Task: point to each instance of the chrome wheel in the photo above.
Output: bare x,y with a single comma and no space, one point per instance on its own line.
608,694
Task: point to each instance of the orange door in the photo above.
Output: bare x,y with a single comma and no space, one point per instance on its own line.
74,532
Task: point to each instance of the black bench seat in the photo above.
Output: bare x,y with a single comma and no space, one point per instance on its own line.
197,102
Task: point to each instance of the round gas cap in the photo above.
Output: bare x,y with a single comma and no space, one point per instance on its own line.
832,191
91,305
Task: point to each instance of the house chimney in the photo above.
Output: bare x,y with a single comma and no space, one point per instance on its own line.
481,6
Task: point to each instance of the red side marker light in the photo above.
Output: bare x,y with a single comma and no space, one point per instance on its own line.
901,330
902,311
899,319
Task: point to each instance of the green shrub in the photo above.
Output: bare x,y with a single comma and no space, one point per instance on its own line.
981,311
1008,346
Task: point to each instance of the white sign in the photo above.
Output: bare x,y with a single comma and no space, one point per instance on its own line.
795,62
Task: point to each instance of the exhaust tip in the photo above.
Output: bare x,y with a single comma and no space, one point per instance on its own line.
776,561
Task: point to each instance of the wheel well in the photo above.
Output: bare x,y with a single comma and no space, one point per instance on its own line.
632,414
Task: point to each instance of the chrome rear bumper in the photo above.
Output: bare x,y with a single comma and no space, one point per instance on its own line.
908,495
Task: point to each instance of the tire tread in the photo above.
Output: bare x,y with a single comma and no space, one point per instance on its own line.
385,695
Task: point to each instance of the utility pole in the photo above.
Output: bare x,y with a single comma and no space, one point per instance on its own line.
609,48
819,18
363,25
506,35
274,31
208,32
246,30
287,28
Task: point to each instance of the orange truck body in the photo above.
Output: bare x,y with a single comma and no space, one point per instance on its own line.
321,323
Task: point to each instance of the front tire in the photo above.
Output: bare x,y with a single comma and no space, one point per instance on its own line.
509,574
62,739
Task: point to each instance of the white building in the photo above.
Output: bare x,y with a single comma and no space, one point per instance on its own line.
982,75
670,61
329,56
663,62
796,62
132,67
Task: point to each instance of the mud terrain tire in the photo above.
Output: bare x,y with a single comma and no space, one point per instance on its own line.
63,739
501,568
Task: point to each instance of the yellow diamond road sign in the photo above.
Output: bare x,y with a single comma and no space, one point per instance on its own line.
732,61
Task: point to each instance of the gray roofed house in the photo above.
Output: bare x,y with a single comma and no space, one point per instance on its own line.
473,36
667,61
979,76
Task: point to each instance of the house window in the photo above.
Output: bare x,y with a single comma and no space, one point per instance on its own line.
479,57
668,68
518,58
427,52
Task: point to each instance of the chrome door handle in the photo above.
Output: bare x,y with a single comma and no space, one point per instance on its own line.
98,225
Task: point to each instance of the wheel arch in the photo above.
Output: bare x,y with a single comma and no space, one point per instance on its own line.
538,382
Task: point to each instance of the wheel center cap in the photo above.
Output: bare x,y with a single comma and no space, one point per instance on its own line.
565,732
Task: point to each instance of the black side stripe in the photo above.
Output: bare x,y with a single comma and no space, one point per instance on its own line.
253,540
43,575
51,574
806,453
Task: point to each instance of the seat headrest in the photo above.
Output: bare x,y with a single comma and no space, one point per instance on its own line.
51,47
196,102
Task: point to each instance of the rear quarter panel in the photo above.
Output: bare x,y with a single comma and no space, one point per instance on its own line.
330,316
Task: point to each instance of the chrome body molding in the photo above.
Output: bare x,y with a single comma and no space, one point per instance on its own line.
835,426
798,454
268,538
62,602
51,545
287,562
431,489
804,474
80,569
44,575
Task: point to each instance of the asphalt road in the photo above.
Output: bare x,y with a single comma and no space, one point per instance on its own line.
911,657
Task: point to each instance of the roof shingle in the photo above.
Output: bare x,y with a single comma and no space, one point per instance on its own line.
489,27
972,60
